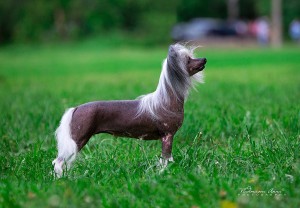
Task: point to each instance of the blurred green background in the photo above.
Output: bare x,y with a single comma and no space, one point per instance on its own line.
145,20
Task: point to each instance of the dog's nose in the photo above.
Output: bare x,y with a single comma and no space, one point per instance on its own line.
203,60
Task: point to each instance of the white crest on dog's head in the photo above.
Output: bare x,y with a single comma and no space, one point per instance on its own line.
174,81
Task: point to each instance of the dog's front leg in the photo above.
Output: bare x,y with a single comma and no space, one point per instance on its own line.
167,141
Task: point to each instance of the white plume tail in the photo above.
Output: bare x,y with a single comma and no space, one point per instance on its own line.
67,148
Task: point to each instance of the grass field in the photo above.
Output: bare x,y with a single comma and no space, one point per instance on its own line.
238,147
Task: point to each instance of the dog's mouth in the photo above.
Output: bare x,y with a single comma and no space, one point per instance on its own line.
200,64
196,65
200,68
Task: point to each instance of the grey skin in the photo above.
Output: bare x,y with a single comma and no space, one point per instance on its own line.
118,118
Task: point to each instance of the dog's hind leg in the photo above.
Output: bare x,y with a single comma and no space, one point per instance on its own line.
167,141
67,148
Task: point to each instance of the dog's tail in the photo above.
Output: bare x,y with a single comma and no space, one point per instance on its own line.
67,148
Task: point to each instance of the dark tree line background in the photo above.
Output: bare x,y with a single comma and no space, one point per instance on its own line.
43,20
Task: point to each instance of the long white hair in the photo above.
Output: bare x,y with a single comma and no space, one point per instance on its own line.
174,80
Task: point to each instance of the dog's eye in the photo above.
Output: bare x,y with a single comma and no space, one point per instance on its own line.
189,59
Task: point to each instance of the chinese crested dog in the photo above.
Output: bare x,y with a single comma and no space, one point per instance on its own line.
154,116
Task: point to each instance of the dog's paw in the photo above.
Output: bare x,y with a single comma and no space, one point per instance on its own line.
171,159
58,167
163,162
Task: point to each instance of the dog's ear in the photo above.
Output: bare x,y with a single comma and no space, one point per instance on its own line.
172,52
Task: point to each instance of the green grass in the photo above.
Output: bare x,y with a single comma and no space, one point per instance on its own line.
241,129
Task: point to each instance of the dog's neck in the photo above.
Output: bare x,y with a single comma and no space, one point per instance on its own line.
172,105
176,102
169,96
